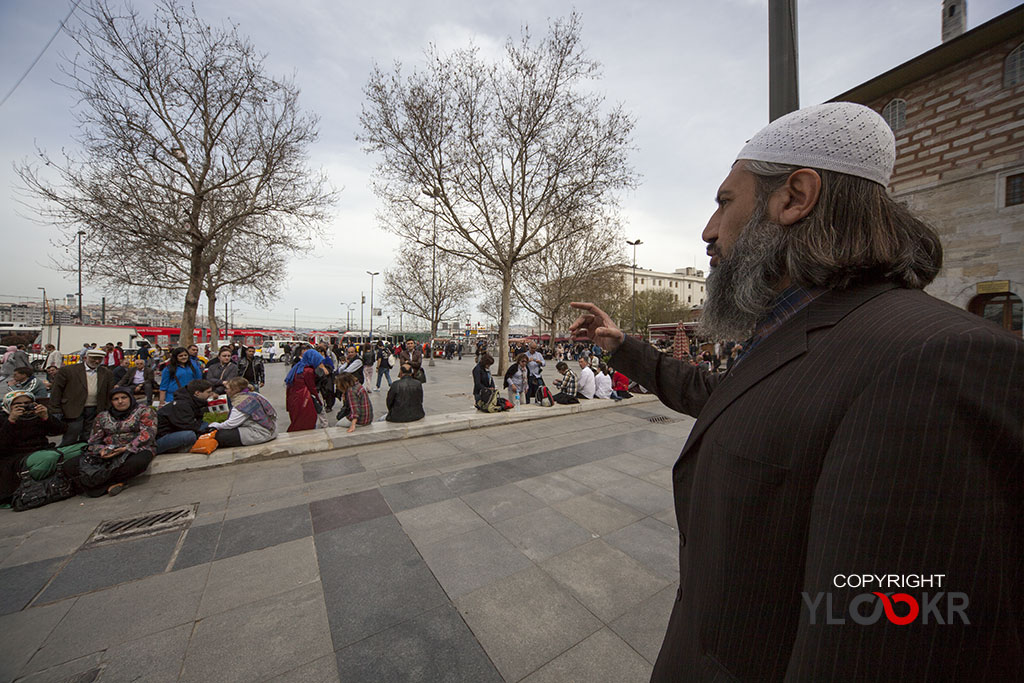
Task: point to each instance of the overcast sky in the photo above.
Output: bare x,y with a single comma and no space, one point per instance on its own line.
693,73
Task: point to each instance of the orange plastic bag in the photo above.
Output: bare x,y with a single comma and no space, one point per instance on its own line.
206,443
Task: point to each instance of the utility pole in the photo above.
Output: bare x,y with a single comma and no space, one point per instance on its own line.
81,234
634,244
43,320
783,87
372,274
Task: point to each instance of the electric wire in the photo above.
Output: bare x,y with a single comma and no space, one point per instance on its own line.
35,61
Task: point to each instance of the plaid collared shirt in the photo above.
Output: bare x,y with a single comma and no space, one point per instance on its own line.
790,301
360,408
569,383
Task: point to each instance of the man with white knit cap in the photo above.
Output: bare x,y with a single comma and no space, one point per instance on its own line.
849,501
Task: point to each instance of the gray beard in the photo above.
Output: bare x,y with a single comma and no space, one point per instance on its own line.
742,288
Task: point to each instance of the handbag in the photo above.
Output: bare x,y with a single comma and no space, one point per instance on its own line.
206,444
421,376
32,494
94,471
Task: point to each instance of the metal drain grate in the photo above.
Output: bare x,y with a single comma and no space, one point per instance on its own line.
660,420
151,523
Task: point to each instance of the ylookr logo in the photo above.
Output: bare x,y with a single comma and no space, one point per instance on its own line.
900,609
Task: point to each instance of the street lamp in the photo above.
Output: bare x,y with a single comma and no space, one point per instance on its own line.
81,234
348,319
295,327
634,244
372,274
43,322
434,193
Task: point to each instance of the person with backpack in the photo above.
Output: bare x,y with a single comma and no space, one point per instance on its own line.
383,364
368,358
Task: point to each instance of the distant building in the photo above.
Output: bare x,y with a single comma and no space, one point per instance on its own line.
958,115
685,284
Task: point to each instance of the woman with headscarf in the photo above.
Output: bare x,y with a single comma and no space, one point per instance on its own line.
24,428
301,398
252,419
121,446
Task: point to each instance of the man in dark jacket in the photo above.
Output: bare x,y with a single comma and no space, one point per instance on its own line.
78,393
180,422
405,398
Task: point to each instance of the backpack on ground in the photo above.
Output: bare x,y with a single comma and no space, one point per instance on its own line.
544,397
490,401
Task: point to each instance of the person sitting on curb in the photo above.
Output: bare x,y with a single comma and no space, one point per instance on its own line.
405,398
24,426
121,446
482,376
25,379
566,385
221,369
620,384
140,377
603,384
252,419
357,401
586,384
180,422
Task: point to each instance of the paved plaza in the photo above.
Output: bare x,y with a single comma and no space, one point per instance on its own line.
544,550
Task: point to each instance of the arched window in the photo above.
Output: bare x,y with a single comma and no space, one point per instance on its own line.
895,114
1013,71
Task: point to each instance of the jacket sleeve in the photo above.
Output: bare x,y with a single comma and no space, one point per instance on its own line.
924,476
145,439
57,390
680,386
260,375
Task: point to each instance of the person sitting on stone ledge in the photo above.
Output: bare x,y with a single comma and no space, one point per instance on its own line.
357,401
405,398
566,385
252,419
139,377
180,422
24,428
179,371
221,369
121,369
25,379
121,446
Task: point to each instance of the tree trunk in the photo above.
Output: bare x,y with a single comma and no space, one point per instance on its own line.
211,312
551,342
196,275
503,323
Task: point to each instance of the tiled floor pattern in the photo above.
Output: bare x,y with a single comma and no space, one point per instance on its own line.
541,559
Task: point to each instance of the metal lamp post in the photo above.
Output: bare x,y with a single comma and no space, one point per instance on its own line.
295,327
348,314
81,234
634,244
372,275
43,314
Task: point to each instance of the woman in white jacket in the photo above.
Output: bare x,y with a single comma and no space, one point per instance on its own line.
252,419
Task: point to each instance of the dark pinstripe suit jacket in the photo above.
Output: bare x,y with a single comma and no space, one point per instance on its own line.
878,431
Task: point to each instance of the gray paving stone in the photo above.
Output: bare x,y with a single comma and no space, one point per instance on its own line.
553,487
24,632
411,494
332,513
668,517
155,658
323,670
652,544
245,534
22,582
466,562
82,670
435,646
249,577
269,476
392,456
601,658
373,578
327,469
543,533
435,522
261,639
524,620
473,479
630,464
199,546
599,513
129,611
605,580
660,477
112,564
502,502
595,476
49,542
643,626
666,454
640,495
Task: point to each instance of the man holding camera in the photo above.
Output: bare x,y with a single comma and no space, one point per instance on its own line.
79,392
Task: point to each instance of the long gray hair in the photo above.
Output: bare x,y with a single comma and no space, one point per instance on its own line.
854,231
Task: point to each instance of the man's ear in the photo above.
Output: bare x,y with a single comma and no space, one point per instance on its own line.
796,198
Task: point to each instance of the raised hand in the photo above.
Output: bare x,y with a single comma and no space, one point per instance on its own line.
597,326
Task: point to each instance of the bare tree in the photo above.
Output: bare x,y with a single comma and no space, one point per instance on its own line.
510,159
186,146
412,287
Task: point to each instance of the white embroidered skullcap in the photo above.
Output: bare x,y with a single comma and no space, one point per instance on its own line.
837,136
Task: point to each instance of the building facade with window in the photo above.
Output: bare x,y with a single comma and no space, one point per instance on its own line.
685,284
958,115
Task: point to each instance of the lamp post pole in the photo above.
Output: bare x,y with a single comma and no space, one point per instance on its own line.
295,327
372,274
81,234
43,319
634,244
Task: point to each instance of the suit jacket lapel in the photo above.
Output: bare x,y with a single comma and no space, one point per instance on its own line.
780,347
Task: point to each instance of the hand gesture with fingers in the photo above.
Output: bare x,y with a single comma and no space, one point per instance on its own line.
597,326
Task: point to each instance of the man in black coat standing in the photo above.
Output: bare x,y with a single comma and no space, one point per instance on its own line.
850,501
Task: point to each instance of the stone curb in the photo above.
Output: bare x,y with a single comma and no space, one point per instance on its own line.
333,438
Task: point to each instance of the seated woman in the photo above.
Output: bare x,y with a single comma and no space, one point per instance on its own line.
24,426
252,419
405,398
516,379
620,384
25,379
603,384
357,401
482,375
221,369
179,371
139,377
121,446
